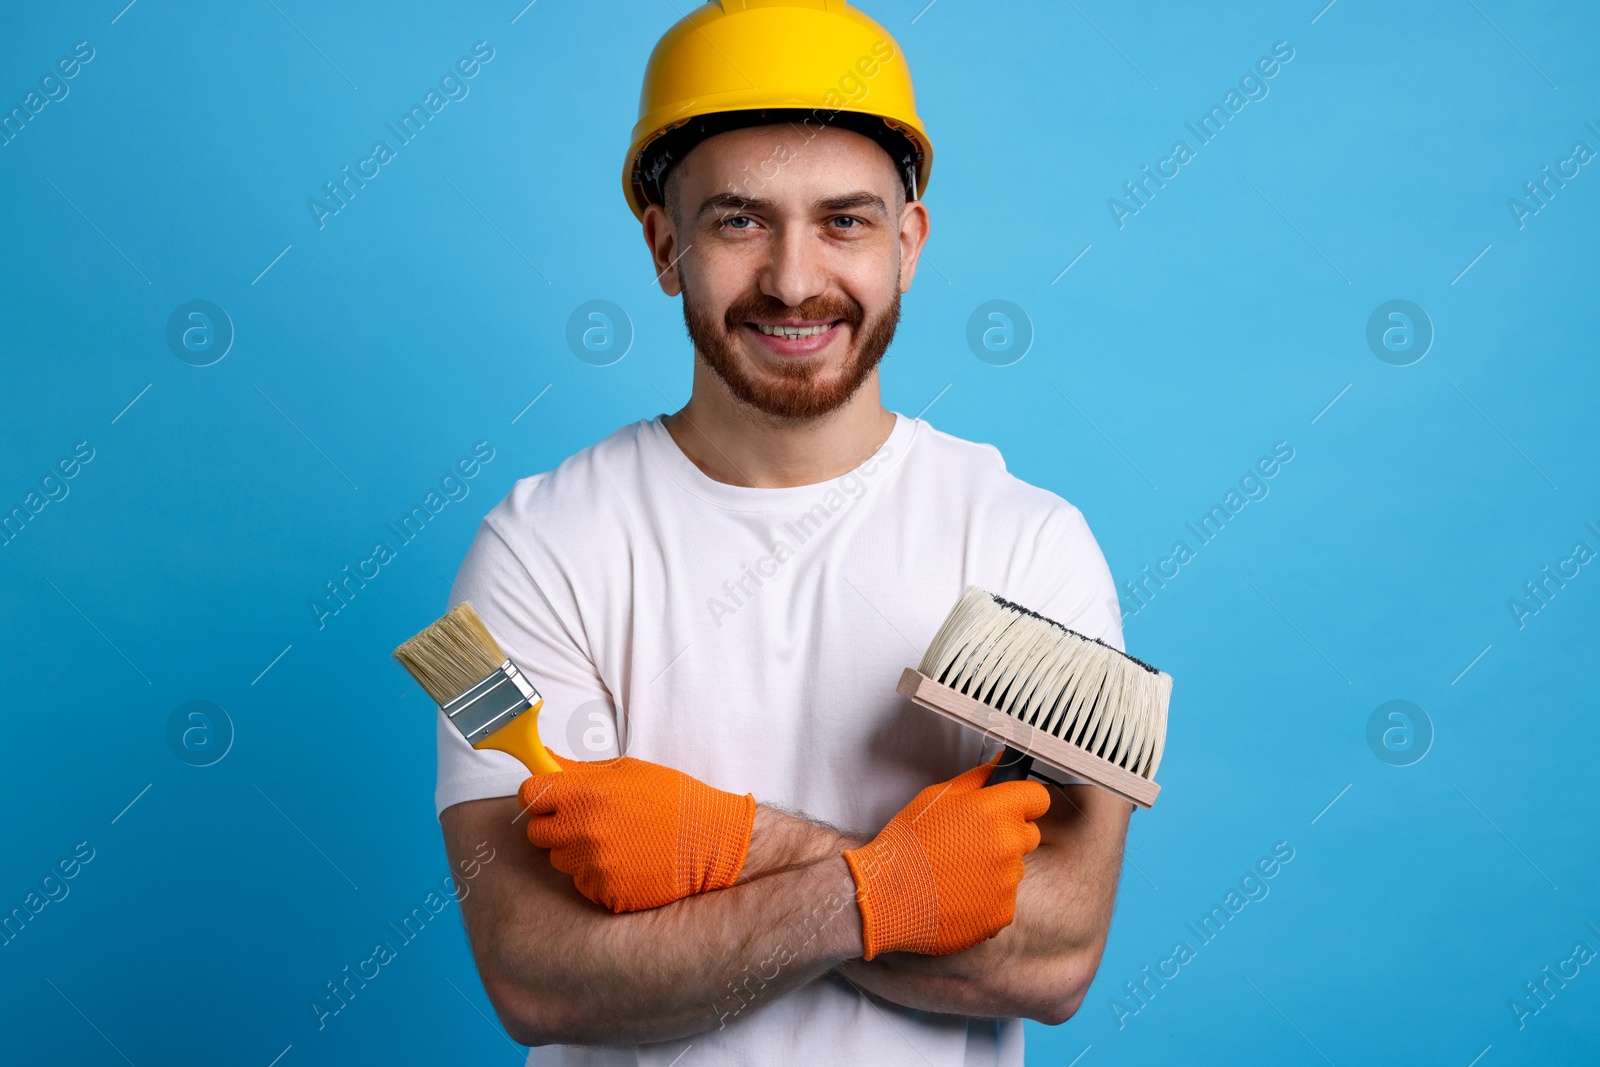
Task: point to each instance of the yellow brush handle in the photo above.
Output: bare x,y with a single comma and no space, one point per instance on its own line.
520,738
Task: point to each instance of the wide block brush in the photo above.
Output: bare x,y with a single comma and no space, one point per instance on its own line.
460,664
1054,696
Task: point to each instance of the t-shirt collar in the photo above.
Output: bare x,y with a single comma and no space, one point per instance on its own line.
657,440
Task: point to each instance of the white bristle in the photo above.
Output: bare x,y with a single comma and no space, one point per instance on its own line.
1041,673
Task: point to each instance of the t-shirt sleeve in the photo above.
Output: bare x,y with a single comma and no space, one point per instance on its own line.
544,641
1074,582
1071,583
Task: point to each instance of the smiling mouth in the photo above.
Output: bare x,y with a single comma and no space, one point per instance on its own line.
794,333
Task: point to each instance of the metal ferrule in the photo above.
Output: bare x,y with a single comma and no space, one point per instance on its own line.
492,703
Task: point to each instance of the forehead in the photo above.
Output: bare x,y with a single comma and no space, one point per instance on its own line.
771,162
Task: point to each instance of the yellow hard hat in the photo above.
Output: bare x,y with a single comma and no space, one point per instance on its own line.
734,63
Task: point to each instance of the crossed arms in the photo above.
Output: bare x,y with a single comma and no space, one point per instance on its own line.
560,969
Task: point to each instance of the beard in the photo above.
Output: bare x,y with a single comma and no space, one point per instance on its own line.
798,388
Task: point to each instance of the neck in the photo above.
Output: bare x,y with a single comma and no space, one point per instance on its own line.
734,443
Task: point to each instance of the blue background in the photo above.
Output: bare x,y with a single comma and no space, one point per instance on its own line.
1225,316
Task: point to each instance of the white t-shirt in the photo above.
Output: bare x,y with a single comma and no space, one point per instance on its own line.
752,638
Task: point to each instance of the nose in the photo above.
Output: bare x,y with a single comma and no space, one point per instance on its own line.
796,270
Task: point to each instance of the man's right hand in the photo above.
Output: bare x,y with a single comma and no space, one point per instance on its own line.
942,875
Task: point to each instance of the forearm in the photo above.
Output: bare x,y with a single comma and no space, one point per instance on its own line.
560,969
1027,970
1019,972
1041,965
782,840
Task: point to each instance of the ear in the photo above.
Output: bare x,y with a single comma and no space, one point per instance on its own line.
662,239
914,227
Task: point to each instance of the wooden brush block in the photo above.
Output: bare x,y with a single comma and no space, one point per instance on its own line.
1031,740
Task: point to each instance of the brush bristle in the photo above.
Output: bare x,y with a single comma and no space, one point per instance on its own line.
453,655
1053,678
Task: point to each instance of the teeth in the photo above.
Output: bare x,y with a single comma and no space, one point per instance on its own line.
792,332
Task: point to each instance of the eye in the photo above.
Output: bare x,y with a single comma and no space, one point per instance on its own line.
848,222
731,223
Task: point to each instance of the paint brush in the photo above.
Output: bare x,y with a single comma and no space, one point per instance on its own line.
460,664
1054,696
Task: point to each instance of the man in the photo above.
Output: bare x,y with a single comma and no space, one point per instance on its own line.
728,594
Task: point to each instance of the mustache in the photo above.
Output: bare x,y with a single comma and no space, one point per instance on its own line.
762,306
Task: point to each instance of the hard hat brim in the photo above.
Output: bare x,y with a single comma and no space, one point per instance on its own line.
654,160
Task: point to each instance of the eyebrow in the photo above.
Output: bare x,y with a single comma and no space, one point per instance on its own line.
735,203
852,201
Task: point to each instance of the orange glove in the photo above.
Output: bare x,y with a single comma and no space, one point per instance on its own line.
635,834
942,875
